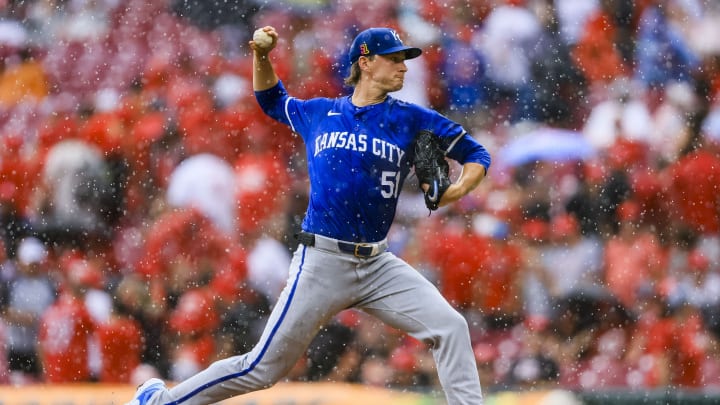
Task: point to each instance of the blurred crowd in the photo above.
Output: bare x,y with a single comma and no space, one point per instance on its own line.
148,207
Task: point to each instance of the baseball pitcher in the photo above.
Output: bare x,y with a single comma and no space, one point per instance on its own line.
360,149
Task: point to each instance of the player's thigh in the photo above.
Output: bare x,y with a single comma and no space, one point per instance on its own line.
316,290
406,300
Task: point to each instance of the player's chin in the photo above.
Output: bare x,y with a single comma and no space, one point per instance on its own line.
397,85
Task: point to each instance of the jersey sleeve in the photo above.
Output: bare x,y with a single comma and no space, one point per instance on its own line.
466,149
298,114
456,141
274,102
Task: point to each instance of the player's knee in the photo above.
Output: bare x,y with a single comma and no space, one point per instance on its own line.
451,327
447,323
456,323
451,331
265,377
254,378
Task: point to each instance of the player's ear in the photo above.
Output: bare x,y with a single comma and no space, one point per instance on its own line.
363,61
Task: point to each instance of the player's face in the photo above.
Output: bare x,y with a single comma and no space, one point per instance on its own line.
388,71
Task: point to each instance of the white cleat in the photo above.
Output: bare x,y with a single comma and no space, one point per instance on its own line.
146,390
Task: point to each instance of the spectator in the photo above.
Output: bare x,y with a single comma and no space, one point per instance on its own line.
670,131
193,323
586,202
22,79
572,263
700,285
87,274
533,240
31,293
648,358
465,68
691,182
459,257
663,56
326,351
76,194
375,372
485,356
533,367
556,82
261,192
508,34
497,284
596,52
16,170
142,301
120,341
406,363
622,116
601,364
66,328
692,342
182,246
241,323
634,259
573,18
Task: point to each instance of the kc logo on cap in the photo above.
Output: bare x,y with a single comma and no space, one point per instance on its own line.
397,37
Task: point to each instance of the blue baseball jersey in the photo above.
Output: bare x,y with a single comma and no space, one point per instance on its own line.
358,157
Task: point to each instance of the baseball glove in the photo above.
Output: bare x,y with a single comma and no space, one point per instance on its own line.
431,167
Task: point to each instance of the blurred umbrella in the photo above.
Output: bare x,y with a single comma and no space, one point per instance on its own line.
546,145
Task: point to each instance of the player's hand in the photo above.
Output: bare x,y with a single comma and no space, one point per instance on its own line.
263,51
450,195
470,177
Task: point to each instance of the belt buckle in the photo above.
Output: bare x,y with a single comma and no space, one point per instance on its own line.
362,245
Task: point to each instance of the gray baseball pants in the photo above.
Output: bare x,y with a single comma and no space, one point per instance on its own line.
322,283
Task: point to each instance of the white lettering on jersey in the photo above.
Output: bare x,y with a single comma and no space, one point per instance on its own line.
359,143
400,153
342,139
333,139
362,143
387,150
378,148
323,142
351,142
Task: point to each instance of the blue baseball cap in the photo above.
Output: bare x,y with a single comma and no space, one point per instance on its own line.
380,41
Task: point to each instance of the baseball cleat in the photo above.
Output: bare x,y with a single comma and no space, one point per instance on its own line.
146,390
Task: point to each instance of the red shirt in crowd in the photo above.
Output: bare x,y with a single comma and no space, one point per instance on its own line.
694,198
63,340
631,263
121,343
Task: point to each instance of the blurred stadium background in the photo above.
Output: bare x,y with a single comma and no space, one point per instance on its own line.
147,206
